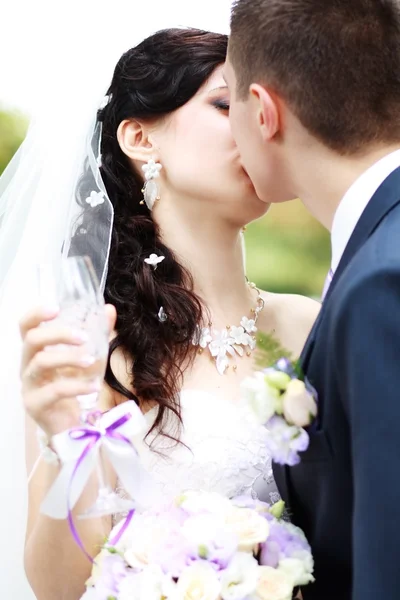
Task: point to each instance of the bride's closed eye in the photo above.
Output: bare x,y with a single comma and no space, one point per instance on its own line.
221,105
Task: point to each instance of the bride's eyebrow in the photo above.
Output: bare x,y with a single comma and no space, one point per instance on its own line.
221,88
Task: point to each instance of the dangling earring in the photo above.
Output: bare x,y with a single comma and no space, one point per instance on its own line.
150,188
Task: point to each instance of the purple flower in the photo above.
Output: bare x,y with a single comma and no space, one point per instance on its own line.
285,441
173,554
209,540
270,553
113,571
218,551
284,541
284,365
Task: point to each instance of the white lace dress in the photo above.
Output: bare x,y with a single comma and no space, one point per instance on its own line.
222,451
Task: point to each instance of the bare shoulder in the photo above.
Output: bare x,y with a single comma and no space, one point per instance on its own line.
293,306
290,318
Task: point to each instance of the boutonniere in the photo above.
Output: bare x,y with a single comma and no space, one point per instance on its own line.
281,398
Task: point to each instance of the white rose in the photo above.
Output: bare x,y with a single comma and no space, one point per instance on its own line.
202,530
259,397
129,588
146,537
307,560
299,407
155,585
297,570
239,580
195,502
272,585
197,582
136,557
250,528
149,584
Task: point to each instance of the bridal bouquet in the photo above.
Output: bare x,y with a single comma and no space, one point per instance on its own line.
204,547
283,400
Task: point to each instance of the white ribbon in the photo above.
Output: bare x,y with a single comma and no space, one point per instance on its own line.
68,487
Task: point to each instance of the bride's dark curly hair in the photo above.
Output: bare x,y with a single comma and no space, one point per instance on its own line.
151,81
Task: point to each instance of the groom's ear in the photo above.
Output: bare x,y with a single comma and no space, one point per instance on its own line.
267,110
135,140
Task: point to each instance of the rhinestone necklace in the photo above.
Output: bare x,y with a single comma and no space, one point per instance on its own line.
226,344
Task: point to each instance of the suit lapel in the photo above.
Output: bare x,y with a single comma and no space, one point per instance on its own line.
309,345
382,202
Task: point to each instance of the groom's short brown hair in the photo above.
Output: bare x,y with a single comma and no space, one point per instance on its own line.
335,62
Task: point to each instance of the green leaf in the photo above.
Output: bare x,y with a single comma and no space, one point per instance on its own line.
298,370
269,350
13,126
203,552
277,509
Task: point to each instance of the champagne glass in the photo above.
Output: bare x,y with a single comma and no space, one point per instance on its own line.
74,288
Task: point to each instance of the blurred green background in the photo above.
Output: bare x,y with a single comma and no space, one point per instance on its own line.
287,250
13,126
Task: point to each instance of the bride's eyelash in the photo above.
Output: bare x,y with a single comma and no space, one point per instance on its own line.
221,104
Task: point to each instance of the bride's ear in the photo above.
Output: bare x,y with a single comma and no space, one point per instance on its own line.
135,141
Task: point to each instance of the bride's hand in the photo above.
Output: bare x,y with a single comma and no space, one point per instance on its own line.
50,400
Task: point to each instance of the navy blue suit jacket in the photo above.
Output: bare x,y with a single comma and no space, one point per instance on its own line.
345,493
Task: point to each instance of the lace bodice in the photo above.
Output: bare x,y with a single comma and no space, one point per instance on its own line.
222,451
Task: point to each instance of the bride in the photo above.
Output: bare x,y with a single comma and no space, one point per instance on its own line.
175,279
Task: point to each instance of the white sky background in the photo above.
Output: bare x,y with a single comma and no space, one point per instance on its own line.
48,45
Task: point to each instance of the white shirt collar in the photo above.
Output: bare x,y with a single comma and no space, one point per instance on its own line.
355,201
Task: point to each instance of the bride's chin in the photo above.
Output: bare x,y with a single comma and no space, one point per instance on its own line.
254,209
251,191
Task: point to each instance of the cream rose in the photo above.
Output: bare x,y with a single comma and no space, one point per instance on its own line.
198,582
299,407
146,537
250,528
149,584
272,585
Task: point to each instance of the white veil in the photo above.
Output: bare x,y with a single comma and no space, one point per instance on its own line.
37,210
37,203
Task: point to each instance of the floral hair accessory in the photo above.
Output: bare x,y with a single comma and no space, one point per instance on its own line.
154,260
95,199
162,315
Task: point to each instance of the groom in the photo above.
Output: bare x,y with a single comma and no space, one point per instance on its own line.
315,110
